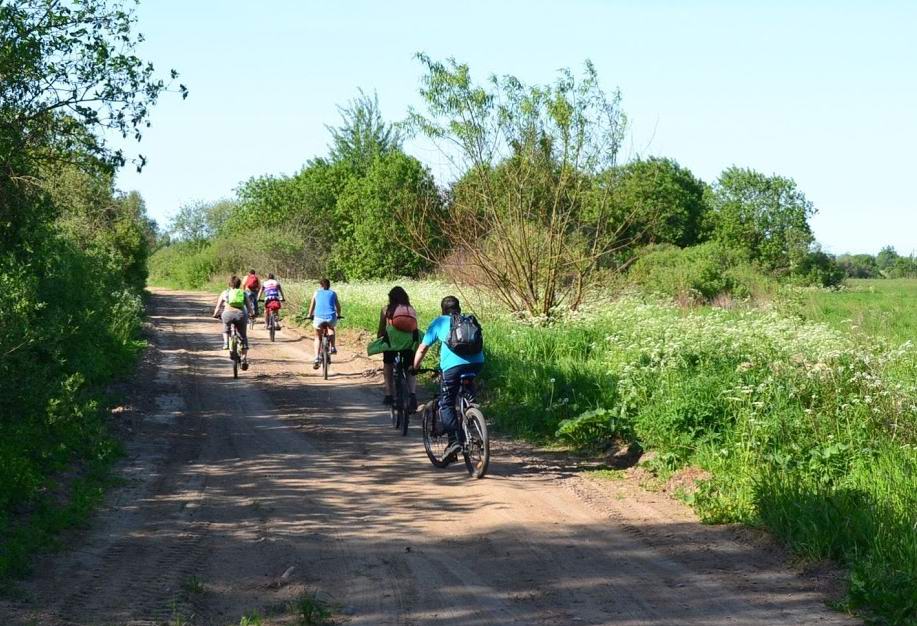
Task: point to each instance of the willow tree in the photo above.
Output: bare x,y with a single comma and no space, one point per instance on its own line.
530,216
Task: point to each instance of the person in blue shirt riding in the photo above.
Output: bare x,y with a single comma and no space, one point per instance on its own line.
325,309
452,366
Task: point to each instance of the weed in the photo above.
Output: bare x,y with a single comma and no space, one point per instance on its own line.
192,585
310,610
251,619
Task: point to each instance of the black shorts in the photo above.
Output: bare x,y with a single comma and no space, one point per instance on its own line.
407,357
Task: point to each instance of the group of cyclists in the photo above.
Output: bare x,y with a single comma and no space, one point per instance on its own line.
397,326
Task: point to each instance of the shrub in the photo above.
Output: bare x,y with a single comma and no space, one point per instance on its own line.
697,274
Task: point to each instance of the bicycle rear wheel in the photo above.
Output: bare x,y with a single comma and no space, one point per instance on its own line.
326,356
477,447
272,323
401,401
434,445
235,366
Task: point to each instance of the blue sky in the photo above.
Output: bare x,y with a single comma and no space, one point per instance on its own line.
823,92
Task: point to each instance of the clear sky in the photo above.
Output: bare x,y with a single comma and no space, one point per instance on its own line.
823,92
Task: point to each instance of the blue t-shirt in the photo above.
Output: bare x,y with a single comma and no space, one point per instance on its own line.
326,304
439,331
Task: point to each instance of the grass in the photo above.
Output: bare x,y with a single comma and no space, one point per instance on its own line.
875,308
310,610
805,421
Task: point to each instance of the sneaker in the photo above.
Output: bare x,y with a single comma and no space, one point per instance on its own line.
226,346
412,404
452,451
388,400
334,350
316,363
244,364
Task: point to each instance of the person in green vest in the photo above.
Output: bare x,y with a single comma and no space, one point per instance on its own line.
398,324
233,307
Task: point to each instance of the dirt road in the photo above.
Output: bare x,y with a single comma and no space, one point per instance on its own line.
247,496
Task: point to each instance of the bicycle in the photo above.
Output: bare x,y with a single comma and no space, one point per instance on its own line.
235,342
253,304
398,409
471,422
271,320
324,351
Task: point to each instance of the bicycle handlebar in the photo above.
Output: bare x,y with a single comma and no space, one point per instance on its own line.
312,317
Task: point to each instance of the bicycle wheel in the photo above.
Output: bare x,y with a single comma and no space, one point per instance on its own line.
235,365
401,401
272,323
477,447
434,445
326,356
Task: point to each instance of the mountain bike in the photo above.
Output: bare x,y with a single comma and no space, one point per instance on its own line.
472,429
399,407
271,320
253,305
324,350
235,351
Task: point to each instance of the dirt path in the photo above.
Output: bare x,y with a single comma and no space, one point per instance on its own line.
230,484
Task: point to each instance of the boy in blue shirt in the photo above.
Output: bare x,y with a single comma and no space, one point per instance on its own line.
452,365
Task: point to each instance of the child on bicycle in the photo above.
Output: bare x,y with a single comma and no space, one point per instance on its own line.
398,323
452,365
272,293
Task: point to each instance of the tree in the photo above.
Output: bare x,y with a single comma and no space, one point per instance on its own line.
886,258
372,242
859,265
664,201
765,216
69,78
530,156
363,134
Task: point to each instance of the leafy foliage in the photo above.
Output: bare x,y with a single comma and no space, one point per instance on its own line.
73,251
662,201
698,274
363,135
528,156
766,217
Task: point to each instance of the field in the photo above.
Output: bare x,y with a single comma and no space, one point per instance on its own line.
804,416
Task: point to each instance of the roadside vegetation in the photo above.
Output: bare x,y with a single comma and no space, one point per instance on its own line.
73,258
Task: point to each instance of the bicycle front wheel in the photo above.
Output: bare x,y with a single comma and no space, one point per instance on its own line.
477,446
434,444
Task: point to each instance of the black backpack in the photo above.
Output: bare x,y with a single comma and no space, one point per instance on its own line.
465,335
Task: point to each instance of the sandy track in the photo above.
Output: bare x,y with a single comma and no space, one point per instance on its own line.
231,483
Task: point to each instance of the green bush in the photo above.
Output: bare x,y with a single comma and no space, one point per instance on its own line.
697,274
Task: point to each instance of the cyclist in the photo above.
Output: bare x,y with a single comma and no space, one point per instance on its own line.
325,309
272,293
235,309
252,284
398,322
452,366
